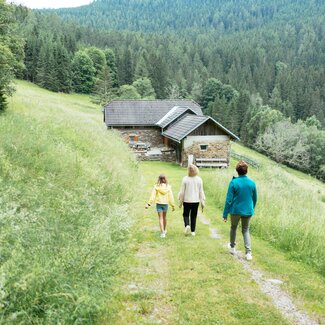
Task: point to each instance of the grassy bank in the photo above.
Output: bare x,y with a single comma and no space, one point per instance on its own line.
290,210
65,193
194,280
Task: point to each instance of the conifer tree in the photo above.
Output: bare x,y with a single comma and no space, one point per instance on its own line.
63,68
103,91
111,63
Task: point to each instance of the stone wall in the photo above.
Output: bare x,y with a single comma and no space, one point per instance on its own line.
150,136
215,149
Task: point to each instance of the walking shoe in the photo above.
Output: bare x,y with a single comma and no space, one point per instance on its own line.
187,230
165,231
162,235
249,257
232,250
193,233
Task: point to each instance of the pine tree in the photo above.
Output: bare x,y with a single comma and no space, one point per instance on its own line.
103,91
111,63
46,67
126,68
158,76
63,69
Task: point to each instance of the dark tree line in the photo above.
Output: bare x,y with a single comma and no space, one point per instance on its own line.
247,63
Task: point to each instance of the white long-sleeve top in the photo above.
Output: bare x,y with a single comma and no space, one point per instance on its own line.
191,190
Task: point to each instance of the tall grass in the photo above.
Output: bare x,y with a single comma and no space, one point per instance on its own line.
290,208
66,190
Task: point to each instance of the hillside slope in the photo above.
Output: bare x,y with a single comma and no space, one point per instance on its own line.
65,195
78,247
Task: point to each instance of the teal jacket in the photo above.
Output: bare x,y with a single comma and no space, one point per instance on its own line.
241,197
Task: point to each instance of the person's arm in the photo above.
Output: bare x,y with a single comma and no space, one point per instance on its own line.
229,200
182,193
171,200
201,194
152,198
254,196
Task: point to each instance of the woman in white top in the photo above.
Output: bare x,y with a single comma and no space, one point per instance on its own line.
190,196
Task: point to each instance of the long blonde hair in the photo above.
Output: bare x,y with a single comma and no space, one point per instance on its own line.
192,170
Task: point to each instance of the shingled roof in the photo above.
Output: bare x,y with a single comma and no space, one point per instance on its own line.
174,114
188,123
184,126
142,112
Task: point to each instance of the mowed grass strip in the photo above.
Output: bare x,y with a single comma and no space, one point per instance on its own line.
203,284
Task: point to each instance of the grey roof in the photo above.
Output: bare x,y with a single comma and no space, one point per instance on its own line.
189,123
142,112
184,126
174,114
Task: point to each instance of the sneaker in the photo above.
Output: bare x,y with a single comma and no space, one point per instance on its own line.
232,250
193,233
187,230
162,235
165,231
249,257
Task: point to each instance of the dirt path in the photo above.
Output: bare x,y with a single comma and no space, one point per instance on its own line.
149,279
270,287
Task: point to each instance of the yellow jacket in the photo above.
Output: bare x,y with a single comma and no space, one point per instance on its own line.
162,194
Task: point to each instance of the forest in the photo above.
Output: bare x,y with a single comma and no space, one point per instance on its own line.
256,67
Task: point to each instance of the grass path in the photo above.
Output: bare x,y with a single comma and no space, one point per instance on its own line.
186,280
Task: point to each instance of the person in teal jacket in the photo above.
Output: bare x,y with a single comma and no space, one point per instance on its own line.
240,203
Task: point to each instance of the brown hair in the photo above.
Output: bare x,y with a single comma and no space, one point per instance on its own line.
242,167
162,179
192,170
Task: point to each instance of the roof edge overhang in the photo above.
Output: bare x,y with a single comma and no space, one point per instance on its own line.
135,125
171,138
225,129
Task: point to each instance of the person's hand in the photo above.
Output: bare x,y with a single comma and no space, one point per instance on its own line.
180,205
225,219
202,208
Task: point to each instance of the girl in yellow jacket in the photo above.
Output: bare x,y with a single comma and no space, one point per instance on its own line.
162,195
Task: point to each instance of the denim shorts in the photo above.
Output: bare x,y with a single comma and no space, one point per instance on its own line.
161,207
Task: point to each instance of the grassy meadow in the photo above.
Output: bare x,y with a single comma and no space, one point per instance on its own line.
290,211
66,188
77,246
186,280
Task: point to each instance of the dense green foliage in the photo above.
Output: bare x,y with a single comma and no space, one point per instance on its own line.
225,55
11,52
190,16
65,195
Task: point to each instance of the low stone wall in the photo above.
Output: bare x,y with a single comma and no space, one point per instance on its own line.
216,149
150,136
